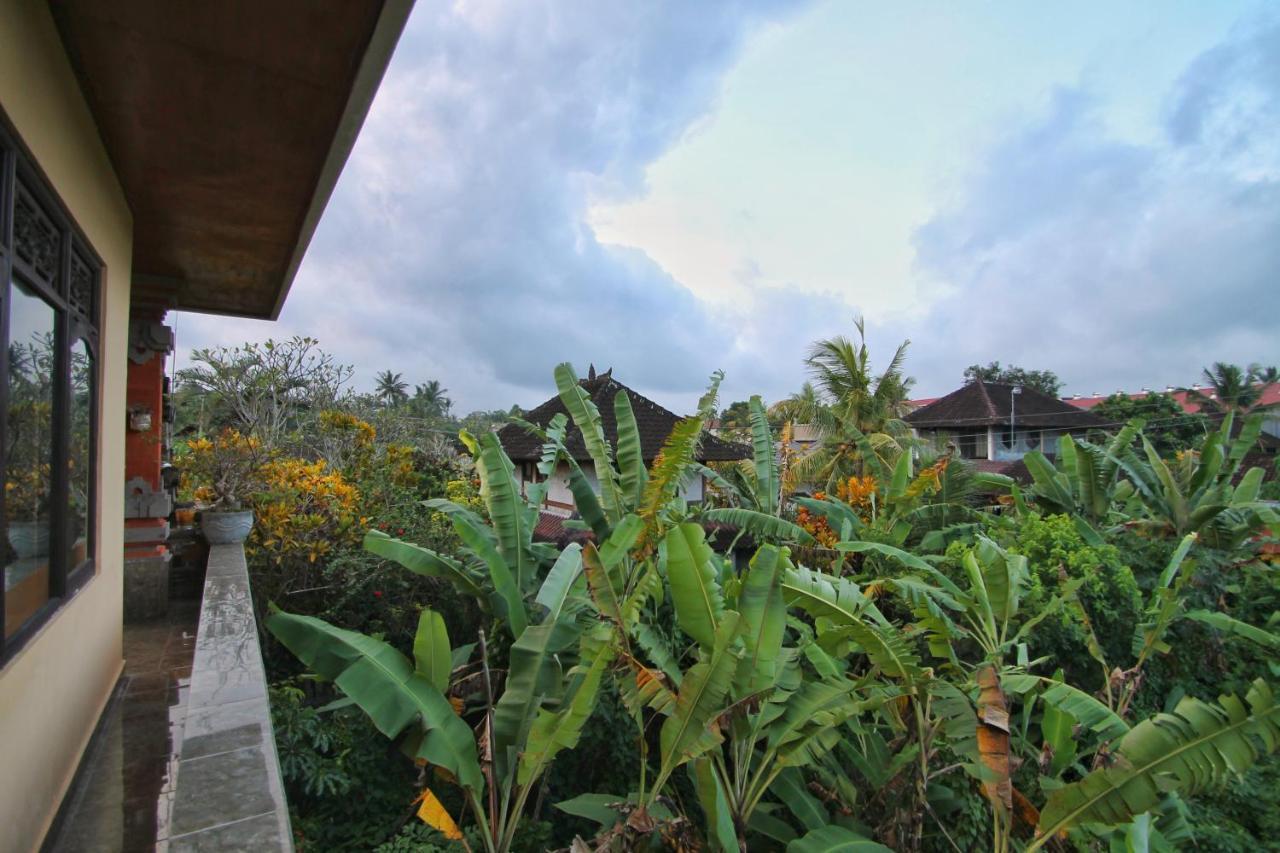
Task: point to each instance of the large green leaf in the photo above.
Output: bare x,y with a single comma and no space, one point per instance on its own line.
695,591
555,731
835,839
815,710
721,837
1195,747
423,561
761,526
561,581
533,677
765,459
630,455
826,596
481,541
692,729
1083,708
764,616
433,659
587,418
1229,625
904,557
385,686
512,519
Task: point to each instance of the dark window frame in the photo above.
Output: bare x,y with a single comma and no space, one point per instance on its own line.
22,179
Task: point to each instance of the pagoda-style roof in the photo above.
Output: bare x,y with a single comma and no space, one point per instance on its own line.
981,404
653,421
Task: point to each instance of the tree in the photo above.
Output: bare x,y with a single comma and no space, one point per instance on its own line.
1169,426
1042,380
392,390
265,390
429,400
1234,388
735,419
852,407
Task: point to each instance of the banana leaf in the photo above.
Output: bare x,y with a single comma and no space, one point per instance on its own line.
1197,746
762,527
384,684
698,600
835,839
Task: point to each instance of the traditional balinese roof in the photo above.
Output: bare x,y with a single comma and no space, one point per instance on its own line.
653,421
980,404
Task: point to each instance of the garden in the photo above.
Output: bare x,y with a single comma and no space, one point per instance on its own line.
864,645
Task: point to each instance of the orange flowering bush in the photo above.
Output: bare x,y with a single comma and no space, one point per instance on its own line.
224,470
817,525
305,510
859,493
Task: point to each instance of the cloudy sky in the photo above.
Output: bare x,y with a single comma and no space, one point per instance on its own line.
674,188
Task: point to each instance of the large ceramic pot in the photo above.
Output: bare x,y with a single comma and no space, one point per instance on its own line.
226,528
29,538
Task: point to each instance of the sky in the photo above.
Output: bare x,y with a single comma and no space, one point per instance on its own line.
670,189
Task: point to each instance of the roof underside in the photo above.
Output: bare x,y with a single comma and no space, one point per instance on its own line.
228,124
653,421
981,404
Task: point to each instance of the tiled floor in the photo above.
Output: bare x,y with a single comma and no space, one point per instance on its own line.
121,800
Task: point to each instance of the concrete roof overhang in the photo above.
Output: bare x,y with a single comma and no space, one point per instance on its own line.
228,124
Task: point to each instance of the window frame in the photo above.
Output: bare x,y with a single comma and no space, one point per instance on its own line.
21,177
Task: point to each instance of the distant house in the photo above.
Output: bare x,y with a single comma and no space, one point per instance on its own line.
1268,402
652,420
999,423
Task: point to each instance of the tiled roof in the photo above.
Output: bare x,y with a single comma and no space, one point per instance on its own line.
653,421
1270,397
981,404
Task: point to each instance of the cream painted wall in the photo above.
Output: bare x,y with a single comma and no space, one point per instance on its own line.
53,690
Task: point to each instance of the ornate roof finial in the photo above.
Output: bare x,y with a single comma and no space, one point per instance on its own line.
591,373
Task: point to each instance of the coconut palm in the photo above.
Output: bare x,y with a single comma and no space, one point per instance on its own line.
851,406
391,389
1234,388
430,400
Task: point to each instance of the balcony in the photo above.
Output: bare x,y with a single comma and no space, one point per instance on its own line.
184,757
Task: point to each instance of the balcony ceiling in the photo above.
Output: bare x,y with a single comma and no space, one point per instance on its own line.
228,123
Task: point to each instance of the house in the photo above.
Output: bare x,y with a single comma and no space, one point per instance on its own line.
154,156
995,423
1268,402
653,422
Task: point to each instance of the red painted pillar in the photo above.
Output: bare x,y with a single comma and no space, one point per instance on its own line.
147,504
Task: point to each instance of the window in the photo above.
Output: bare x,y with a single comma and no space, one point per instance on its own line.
49,286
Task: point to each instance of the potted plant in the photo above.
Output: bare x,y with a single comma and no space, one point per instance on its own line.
225,473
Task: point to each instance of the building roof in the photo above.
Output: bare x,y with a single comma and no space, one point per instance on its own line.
227,124
1270,397
653,421
980,404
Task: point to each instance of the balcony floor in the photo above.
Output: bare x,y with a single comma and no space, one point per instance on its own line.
121,799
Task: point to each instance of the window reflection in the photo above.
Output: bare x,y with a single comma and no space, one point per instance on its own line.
80,459
28,455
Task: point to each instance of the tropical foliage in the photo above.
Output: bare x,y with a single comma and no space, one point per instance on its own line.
910,655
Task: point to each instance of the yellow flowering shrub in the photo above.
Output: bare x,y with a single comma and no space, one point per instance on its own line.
222,470
305,510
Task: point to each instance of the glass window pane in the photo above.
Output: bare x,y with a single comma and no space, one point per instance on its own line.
80,461
28,456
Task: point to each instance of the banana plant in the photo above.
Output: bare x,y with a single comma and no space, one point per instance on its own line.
1084,481
754,488
742,714
501,566
1195,493
540,713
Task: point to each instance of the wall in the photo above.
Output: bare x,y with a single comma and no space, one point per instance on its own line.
53,690
558,492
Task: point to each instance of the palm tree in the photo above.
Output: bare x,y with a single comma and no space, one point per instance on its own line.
430,400
392,389
848,403
1234,388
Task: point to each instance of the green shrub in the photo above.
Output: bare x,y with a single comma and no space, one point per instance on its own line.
1056,551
